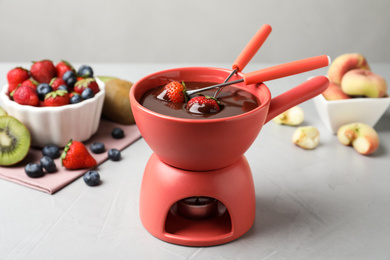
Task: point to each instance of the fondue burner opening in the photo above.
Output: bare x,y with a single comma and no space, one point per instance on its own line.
198,218
197,207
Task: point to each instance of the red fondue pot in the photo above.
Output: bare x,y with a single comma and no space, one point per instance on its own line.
209,144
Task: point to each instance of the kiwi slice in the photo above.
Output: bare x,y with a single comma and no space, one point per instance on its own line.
15,141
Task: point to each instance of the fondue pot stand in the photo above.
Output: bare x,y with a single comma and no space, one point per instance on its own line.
166,213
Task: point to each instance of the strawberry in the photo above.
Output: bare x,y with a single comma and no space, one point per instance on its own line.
76,156
31,83
56,82
56,98
174,92
25,95
15,77
203,105
62,67
82,84
43,71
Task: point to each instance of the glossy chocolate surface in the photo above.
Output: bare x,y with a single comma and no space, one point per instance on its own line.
234,101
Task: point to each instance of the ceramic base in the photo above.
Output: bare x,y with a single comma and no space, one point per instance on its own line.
163,186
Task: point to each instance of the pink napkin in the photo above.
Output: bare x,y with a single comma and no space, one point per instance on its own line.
52,182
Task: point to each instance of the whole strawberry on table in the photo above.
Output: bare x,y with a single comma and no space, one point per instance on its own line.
76,156
49,84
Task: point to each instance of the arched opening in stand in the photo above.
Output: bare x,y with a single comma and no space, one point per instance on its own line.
198,218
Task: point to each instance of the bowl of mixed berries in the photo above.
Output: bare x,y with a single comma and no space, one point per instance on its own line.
55,102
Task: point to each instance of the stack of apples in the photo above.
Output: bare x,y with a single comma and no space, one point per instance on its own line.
350,76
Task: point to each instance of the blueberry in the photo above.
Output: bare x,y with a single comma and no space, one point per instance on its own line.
117,133
85,71
48,164
43,89
87,93
75,99
69,74
52,151
34,170
114,154
97,147
92,178
63,87
70,78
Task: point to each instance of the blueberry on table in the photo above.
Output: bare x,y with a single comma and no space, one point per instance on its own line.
48,164
75,99
87,93
97,147
52,151
85,71
43,89
117,133
34,170
92,178
114,154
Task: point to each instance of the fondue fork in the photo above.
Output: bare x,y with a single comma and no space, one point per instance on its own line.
274,72
248,52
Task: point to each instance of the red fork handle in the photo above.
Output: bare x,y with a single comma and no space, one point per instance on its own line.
286,69
252,47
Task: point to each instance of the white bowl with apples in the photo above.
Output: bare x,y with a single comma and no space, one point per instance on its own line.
57,125
355,94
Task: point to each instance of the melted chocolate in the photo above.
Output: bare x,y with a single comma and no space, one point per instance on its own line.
234,101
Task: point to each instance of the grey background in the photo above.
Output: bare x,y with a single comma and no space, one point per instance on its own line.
190,31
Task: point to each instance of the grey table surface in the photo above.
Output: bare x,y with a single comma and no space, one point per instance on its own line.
327,203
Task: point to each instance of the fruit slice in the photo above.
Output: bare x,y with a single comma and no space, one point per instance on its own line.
15,140
361,136
293,116
306,137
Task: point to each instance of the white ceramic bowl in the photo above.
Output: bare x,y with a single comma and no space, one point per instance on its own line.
57,125
335,113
